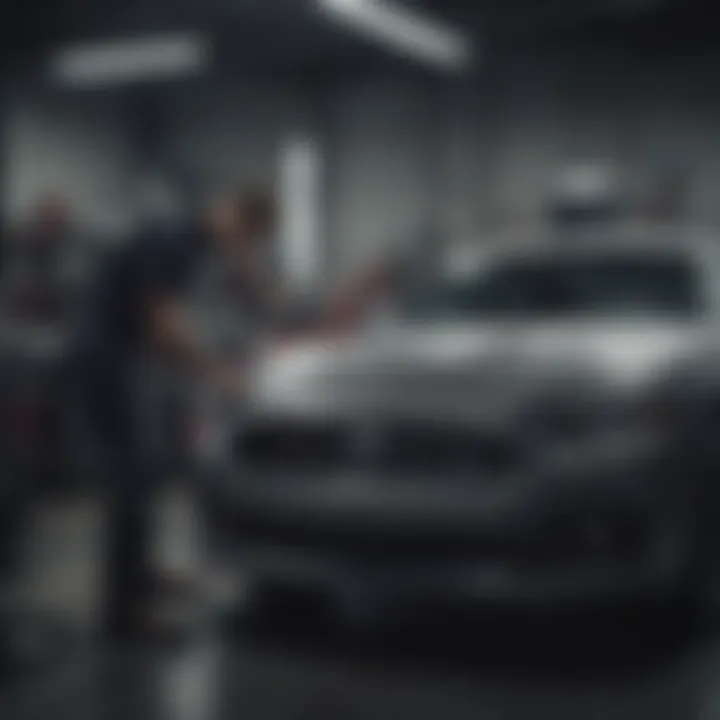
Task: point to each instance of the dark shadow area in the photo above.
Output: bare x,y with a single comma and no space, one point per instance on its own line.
493,644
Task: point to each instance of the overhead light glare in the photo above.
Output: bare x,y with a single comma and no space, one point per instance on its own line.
137,59
408,32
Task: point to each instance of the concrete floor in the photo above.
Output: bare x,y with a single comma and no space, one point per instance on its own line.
449,668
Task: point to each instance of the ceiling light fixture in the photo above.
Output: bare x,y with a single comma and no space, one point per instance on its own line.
405,31
137,59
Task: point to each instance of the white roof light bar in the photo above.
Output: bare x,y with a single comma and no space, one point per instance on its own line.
403,30
137,59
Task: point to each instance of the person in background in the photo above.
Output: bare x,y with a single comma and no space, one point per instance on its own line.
33,285
137,320
41,291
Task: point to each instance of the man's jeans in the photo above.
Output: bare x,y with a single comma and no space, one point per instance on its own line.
127,418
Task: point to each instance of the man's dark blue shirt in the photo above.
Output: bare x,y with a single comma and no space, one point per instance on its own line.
161,261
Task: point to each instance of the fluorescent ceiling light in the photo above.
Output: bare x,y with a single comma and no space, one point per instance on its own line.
301,211
403,30
121,61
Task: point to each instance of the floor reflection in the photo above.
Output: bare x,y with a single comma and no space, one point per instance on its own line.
448,663
487,671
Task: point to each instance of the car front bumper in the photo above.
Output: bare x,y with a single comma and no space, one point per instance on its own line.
349,583
372,566
605,529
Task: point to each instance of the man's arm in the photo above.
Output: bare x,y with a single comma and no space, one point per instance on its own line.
163,272
350,307
173,332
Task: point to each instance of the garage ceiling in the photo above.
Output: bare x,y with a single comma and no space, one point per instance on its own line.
253,36
671,22
249,35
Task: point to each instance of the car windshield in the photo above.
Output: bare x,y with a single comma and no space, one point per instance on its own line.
609,285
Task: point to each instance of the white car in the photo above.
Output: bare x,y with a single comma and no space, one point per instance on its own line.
541,429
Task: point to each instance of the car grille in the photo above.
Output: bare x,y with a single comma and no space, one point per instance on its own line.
562,541
366,542
418,449
293,446
395,449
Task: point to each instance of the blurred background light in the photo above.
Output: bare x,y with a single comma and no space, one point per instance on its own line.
405,31
301,248
587,181
136,59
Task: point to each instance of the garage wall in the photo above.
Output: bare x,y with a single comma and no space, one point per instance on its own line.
231,132
493,145
214,133
380,153
399,153
531,120
374,138
74,144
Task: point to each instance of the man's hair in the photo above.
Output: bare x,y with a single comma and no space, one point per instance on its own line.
258,207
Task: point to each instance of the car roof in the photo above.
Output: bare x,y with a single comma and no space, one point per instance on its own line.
692,243
658,240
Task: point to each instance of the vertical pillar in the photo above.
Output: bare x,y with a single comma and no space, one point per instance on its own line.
3,194
304,171
158,182
436,181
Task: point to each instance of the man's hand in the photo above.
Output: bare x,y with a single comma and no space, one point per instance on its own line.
350,308
174,330
226,379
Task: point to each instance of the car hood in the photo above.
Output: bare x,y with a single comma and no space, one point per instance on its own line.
472,369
